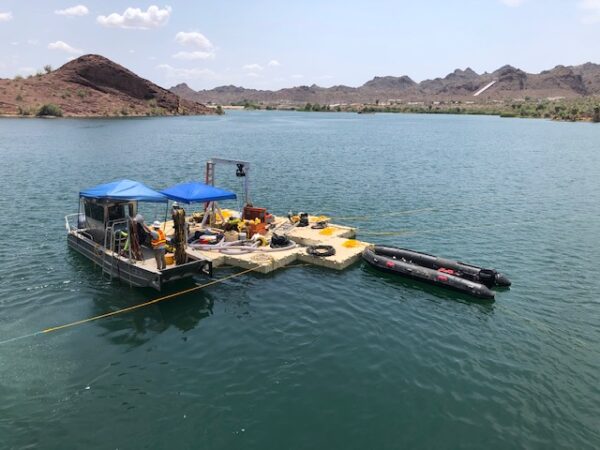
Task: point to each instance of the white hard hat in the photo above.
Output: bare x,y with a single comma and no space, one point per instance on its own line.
156,224
139,218
175,205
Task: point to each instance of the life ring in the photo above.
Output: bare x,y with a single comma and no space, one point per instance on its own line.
321,251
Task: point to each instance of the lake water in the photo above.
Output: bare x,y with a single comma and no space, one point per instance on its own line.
307,358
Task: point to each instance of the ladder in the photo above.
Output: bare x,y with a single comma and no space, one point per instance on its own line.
109,241
112,248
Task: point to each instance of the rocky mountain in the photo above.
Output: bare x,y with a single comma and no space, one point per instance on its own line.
506,83
92,85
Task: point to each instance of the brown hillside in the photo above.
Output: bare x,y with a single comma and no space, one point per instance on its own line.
93,85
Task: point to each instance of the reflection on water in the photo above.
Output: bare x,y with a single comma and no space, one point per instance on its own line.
396,281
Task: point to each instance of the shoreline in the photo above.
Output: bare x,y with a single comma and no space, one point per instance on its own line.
474,112
579,110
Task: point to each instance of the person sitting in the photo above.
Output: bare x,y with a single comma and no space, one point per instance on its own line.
158,242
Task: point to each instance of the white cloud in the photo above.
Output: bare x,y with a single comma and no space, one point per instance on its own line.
252,67
512,3
193,39
135,18
591,9
73,11
204,49
185,74
33,41
190,56
253,75
273,63
64,47
297,76
6,16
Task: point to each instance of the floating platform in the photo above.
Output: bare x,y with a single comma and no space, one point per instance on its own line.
347,249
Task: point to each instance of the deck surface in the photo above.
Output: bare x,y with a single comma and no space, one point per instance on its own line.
347,250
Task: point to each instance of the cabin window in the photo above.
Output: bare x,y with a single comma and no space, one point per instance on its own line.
94,211
116,212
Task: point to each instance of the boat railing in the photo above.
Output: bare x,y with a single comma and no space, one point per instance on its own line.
113,239
72,222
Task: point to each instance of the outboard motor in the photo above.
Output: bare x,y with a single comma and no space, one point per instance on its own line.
303,220
502,280
487,277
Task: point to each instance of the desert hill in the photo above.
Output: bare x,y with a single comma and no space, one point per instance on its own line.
92,85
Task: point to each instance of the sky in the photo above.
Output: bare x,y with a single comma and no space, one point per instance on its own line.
270,44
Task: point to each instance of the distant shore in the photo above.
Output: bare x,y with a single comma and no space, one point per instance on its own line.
568,110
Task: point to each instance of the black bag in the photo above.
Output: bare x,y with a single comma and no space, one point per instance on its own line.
279,241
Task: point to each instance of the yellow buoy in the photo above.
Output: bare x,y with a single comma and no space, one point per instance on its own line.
327,231
351,243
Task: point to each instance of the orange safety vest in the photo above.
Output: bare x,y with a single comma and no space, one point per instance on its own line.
162,239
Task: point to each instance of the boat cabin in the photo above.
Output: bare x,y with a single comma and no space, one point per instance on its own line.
97,214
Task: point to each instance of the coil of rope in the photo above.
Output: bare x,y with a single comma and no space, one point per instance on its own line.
320,251
178,216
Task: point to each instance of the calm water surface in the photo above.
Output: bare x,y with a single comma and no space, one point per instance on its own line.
307,358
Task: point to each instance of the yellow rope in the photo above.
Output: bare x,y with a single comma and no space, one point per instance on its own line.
148,303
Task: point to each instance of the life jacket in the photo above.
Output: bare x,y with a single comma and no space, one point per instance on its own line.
161,241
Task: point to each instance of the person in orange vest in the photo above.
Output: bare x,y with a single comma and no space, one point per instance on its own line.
158,245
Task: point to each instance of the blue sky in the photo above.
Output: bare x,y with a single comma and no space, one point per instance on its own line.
273,44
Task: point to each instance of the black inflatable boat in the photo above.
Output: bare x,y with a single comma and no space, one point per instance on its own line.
444,272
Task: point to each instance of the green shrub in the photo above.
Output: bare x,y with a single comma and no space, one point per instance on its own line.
48,68
25,111
158,111
19,98
49,109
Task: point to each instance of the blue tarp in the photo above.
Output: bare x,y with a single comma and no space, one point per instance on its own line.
197,192
124,190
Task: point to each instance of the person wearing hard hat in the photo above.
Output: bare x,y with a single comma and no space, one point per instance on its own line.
158,242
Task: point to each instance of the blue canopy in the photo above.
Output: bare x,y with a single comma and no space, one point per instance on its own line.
197,192
124,190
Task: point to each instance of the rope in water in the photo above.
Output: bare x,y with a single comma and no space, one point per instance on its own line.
128,309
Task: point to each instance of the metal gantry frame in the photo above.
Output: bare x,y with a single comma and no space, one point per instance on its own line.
243,169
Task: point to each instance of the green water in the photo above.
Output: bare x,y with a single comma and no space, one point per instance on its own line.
307,358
